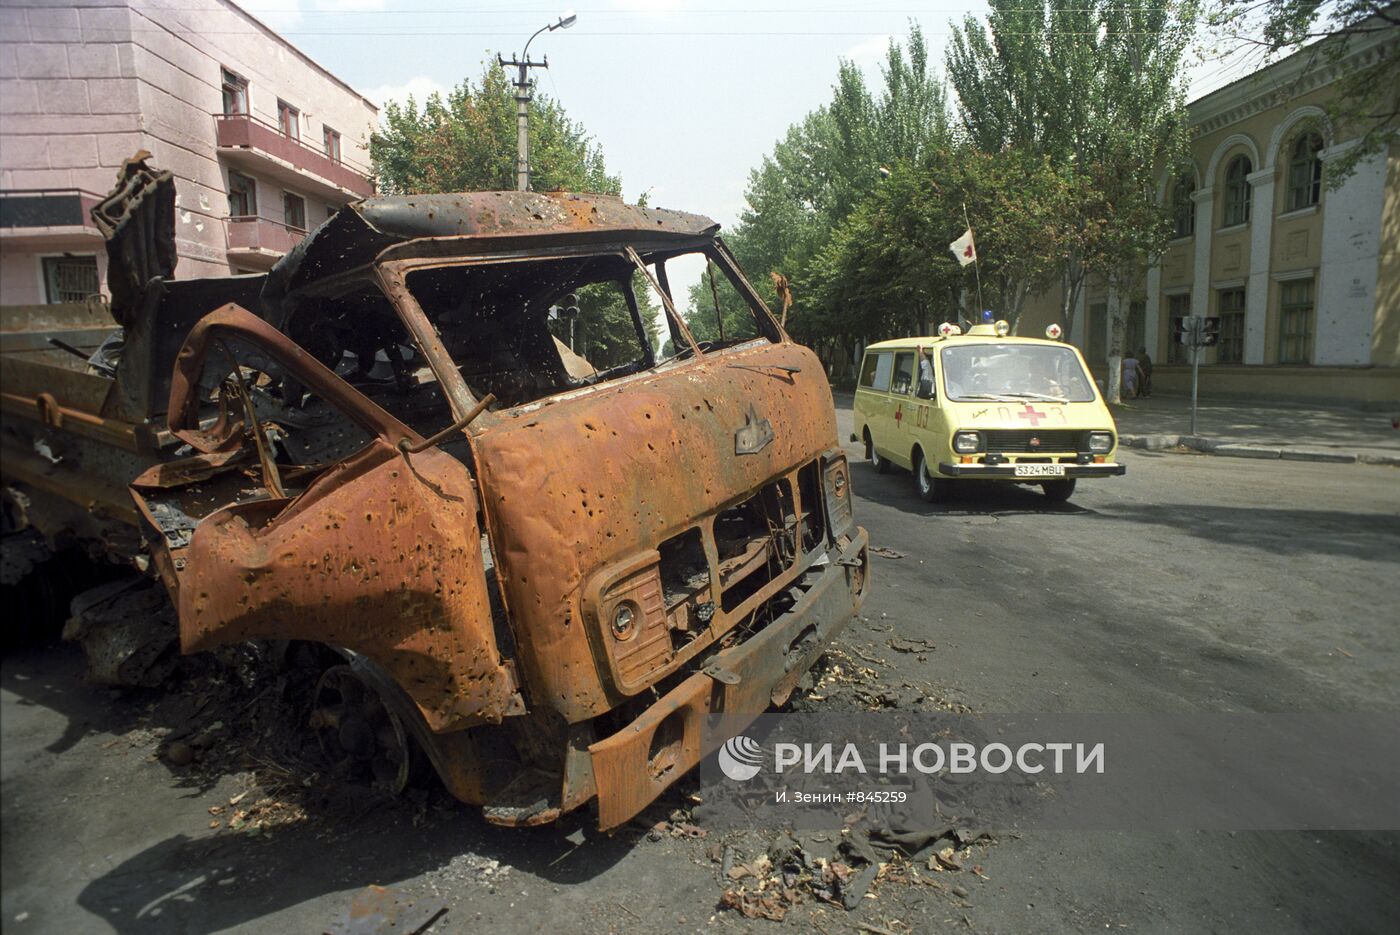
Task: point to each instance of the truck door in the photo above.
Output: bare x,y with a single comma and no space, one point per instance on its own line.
377,551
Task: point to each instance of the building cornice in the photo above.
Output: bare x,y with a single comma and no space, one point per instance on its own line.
1287,79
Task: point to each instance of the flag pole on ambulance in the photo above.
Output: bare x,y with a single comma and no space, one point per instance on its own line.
965,249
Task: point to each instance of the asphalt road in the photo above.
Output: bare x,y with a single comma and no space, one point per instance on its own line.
1194,583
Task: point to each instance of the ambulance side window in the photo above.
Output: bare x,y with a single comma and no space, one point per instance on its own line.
924,388
875,372
903,374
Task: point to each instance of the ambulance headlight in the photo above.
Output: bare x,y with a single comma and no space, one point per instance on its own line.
965,443
1100,442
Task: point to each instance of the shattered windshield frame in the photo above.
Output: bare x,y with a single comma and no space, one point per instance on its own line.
425,313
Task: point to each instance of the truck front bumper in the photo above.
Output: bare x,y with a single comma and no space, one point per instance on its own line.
1009,471
635,765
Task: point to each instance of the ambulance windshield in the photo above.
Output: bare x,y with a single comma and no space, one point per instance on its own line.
1014,372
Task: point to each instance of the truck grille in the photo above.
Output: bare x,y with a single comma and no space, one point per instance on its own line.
1032,440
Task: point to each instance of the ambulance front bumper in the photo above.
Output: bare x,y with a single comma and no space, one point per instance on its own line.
1030,472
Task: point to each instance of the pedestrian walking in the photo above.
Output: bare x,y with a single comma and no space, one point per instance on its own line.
1145,365
1132,377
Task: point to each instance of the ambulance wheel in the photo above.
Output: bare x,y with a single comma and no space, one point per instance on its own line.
1058,491
931,489
880,465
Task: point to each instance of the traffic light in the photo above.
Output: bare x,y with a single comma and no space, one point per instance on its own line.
571,305
1181,330
1210,332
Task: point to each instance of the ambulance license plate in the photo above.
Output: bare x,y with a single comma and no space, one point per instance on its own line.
1040,470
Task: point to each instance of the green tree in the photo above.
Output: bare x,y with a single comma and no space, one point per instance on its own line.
800,197
1096,87
465,141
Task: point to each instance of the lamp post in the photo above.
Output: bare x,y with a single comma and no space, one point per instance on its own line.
522,98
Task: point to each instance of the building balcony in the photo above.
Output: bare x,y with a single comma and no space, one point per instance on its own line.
258,242
262,148
48,217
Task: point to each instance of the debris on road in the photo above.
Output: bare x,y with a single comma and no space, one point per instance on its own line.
378,910
885,552
901,645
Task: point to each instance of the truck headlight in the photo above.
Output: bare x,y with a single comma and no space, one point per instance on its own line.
624,620
836,479
965,443
1100,442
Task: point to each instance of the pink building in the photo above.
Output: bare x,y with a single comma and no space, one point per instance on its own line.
264,143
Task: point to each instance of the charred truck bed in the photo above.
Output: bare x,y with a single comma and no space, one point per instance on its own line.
442,438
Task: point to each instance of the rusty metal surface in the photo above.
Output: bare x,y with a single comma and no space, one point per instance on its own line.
379,554
571,489
639,762
653,530
462,223
137,219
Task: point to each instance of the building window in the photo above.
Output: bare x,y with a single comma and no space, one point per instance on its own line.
1296,323
1183,209
332,141
288,120
242,195
1178,306
235,92
294,211
69,278
1305,172
1230,305
1237,191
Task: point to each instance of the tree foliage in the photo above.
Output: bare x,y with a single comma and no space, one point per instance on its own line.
1067,113
1094,86
1366,104
466,141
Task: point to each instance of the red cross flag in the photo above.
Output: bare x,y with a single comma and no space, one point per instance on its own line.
964,249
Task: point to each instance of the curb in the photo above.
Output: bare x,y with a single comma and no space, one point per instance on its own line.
1232,449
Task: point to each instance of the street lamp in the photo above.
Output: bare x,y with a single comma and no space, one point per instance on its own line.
522,98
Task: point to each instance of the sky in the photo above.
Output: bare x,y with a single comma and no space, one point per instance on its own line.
684,97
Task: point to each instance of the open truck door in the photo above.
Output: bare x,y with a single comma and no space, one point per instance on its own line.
377,552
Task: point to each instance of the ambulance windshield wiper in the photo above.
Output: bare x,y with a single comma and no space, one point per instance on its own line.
1040,396
993,397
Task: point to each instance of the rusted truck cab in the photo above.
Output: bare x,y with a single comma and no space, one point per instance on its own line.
550,562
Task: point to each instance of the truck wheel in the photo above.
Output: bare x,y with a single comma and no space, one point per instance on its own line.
880,465
931,489
361,738
1058,491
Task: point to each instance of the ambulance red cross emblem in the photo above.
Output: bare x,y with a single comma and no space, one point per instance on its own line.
1031,414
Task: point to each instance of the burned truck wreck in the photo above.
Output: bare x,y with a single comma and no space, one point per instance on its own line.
544,565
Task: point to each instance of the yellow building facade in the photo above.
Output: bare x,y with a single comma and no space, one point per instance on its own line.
1305,280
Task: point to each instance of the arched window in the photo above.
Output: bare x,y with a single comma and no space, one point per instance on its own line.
1183,210
1305,172
1237,191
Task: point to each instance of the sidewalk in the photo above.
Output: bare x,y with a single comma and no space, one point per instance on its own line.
1294,432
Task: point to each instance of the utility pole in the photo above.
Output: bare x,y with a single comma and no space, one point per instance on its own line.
522,115
522,65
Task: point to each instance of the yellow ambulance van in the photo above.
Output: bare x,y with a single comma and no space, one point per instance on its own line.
984,406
